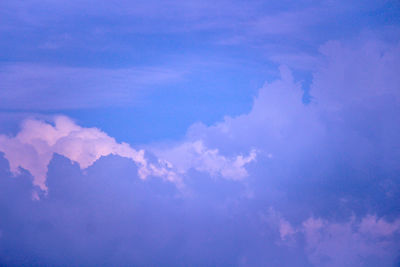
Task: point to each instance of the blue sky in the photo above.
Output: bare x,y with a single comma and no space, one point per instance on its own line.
199,133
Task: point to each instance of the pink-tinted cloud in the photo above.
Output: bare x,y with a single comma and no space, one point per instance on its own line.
351,243
33,148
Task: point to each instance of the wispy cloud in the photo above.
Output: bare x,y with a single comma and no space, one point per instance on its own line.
43,87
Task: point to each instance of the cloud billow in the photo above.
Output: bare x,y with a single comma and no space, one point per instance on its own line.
286,184
34,146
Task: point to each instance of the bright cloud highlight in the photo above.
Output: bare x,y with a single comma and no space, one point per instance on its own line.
33,147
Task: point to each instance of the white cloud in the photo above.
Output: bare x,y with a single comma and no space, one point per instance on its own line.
197,156
355,92
33,148
278,123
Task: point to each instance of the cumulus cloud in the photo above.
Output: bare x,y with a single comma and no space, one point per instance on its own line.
33,148
197,156
329,157
326,168
350,80
279,125
348,128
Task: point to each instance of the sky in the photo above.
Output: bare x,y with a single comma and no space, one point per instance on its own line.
199,133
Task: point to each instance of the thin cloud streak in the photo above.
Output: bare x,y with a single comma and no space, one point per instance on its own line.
59,87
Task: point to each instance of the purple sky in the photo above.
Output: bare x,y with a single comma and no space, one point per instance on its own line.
200,133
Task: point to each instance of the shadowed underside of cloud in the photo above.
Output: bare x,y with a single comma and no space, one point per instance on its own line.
109,216
324,190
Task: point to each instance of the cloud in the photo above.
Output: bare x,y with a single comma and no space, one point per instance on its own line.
354,92
364,241
131,221
367,242
289,22
328,169
36,143
33,148
43,87
195,155
256,23
278,122
357,75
